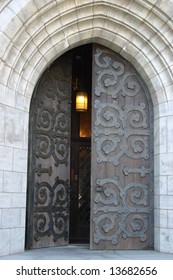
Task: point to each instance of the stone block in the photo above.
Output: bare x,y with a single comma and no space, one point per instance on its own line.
43,3
161,95
64,6
157,41
154,84
29,50
18,200
5,245
2,124
8,17
170,219
13,80
50,55
170,185
5,200
6,70
71,30
166,164
160,185
30,68
167,30
2,95
53,26
166,202
1,180
35,26
154,20
22,87
11,56
166,240
17,240
41,66
14,27
14,128
41,37
27,11
30,87
22,102
161,218
4,42
170,133
20,160
168,55
22,41
16,7
158,64
166,77
166,109
10,97
22,217
139,10
24,183
148,71
169,90
45,47
160,135
13,182
1,218
11,218
6,161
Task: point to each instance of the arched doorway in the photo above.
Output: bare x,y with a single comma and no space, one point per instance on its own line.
121,156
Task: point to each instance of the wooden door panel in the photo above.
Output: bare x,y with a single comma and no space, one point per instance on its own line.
49,156
122,156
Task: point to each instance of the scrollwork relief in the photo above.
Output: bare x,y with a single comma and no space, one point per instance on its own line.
112,79
51,209
120,131
120,211
53,136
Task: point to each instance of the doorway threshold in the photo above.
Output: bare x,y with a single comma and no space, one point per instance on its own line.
82,252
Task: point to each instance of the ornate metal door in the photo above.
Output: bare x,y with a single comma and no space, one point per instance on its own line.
49,168
122,156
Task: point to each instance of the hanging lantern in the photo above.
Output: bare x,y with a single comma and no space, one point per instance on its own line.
81,101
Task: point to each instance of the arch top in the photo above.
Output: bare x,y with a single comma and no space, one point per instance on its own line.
140,31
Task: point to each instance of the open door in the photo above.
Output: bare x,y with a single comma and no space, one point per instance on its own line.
49,156
122,156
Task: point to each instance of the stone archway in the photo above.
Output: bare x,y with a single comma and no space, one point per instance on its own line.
32,36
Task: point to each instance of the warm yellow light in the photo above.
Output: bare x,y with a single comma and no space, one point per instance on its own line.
81,101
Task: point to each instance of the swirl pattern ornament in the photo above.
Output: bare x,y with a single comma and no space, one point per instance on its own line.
51,216
114,131
53,134
121,216
122,203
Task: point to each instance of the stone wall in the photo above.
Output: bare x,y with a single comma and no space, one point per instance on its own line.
33,33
